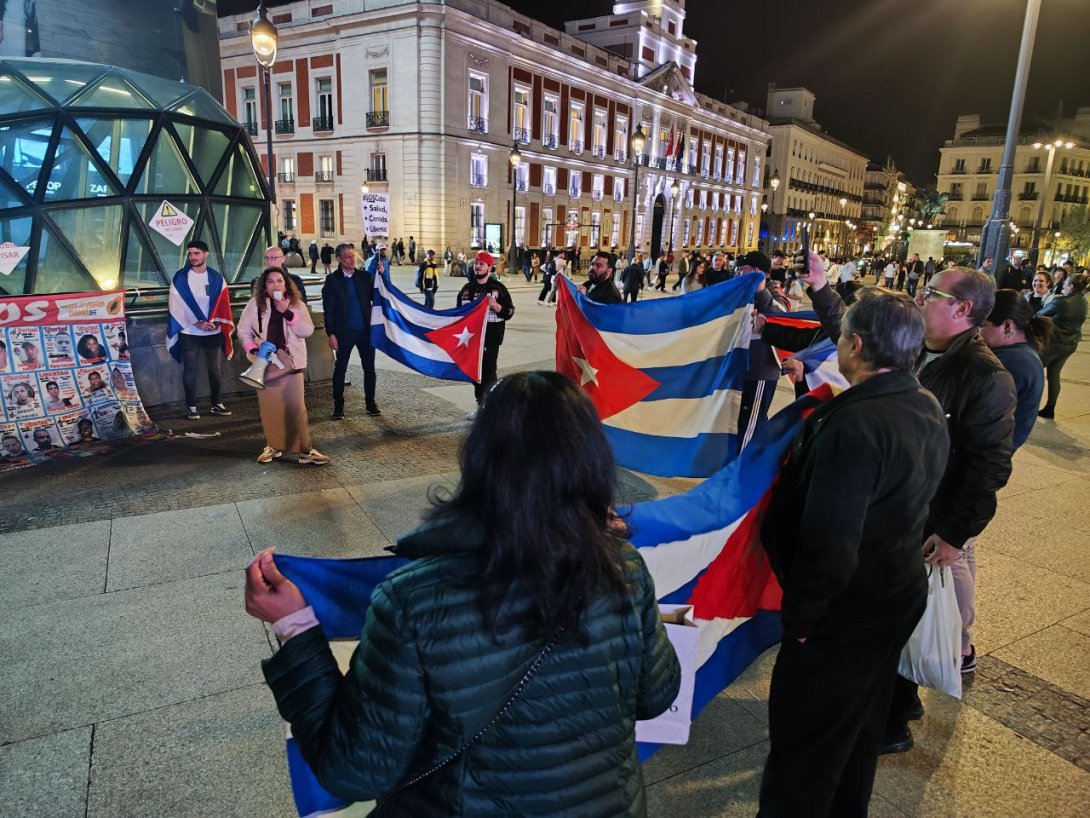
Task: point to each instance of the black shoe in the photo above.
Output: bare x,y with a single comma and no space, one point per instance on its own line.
338,413
896,743
1048,413
968,663
220,409
373,410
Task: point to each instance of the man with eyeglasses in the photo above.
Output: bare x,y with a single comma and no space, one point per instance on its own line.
600,287
274,257
978,397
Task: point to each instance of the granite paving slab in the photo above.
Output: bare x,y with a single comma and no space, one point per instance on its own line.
50,564
1057,654
46,777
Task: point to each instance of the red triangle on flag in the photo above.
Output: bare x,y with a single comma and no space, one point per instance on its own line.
583,356
463,340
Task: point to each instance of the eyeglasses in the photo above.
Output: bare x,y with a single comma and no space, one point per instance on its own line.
927,292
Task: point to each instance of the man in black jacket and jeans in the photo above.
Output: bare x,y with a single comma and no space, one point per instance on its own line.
843,532
346,301
500,310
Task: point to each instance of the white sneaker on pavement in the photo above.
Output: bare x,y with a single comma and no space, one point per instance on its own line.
314,458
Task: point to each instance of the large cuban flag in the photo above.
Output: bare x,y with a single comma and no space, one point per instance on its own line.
701,547
666,375
820,365
446,344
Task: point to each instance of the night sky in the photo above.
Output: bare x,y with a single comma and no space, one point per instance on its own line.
891,76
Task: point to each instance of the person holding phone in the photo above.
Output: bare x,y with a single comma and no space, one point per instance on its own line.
276,314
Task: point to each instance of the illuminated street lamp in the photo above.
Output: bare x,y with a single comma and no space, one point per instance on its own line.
263,40
364,189
675,190
515,158
637,141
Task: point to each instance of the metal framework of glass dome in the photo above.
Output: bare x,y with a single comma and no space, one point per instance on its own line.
89,152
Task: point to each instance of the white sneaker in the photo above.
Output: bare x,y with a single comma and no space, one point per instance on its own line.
472,415
314,458
268,454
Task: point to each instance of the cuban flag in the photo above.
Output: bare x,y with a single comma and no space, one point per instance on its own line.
820,366
447,344
665,375
183,310
702,549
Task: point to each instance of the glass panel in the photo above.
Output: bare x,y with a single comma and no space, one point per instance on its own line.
201,105
16,96
61,81
171,255
166,172
74,174
239,177
22,151
160,91
112,91
140,269
58,272
205,147
118,141
9,195
254,264
236,225
17,231
95,233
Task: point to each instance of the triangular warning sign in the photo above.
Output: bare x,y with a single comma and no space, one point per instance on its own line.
171,223
168,210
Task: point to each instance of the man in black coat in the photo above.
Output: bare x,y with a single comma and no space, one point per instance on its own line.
346,301
632,277
600,286
501,308
843,532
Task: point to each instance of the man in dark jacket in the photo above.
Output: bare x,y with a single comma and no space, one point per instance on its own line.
346,302
632,277
718,272
764,368
500,307
843,533
600,286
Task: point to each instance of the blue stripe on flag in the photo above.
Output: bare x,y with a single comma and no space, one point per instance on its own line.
699,379
447,370
671,456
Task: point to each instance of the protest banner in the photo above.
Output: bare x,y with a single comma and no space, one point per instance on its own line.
67,385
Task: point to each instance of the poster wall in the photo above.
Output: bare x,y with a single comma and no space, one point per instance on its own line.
66,383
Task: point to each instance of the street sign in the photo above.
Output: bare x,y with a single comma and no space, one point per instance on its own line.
10,256
171,223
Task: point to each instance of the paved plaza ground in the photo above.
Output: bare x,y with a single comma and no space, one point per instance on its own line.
129,672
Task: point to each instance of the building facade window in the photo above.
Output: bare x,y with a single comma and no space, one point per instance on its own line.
287,169
520,225
598,133
699,232
685,231
327,225
325,169
380,90
249,109
548,180
551,131
478,170
717,172
546,228
576,121
287,207
598,186
703,200
477,103
522,177
595,228
620,139
520,119
377,172
476,224
618,189
323,93
614,239
287,107
571,229
740,171
575,185
729,176
706,158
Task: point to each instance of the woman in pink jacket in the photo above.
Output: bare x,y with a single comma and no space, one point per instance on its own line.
278,315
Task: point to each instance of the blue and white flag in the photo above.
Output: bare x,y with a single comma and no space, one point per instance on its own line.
820,365
666,376
446,344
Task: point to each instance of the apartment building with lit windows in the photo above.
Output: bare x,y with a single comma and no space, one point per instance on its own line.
426,101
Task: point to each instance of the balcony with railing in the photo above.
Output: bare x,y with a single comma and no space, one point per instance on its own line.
521,185
1028,195
476,180
575,146
322,124
285,178
285,126
620,156
250,128
985,169
323,176
956,196
598,151
574,192
521,135
550,140
378,119
596,195
477,124
981,197
618,195
657,162
548,190
376,174
692,170
957,170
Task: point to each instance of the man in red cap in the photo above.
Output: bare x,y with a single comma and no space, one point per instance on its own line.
500,307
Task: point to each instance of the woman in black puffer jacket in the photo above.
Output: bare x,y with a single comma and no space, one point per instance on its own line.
1068,314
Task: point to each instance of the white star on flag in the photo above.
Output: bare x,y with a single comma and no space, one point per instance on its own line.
464,337
589,372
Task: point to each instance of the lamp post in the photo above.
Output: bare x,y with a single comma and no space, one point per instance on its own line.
637,142
774,183
263,38
515,158
675,189
1051,148
995,238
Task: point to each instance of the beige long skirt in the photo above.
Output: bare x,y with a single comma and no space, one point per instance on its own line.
283,412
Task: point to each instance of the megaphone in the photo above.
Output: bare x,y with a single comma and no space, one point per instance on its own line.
255,375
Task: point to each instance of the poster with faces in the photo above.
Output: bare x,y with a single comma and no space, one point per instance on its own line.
77,428
122,383
58,392
60,349
117,340
26,348
94,383
21,399
110,421
90,344
11,445
41,437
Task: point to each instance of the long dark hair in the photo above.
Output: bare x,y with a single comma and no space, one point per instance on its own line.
1011,306
290,290
538,478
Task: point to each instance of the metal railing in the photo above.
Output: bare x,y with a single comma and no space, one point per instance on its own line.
620,156
322,124
574,192
521,185
549,140
548,190
596,195
476,180
575,146
285,126
250,128
285,177
521,135
598,151
376,174
378,119
477,124
1028,196
323,176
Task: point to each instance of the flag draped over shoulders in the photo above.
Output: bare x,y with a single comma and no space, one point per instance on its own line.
183,310
665,375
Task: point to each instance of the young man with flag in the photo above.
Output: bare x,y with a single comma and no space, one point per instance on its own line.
500,310
843,532
200,325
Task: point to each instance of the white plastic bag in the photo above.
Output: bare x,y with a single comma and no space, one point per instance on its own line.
932,655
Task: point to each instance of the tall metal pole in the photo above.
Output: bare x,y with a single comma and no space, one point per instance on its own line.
635,200
996,236
269,141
